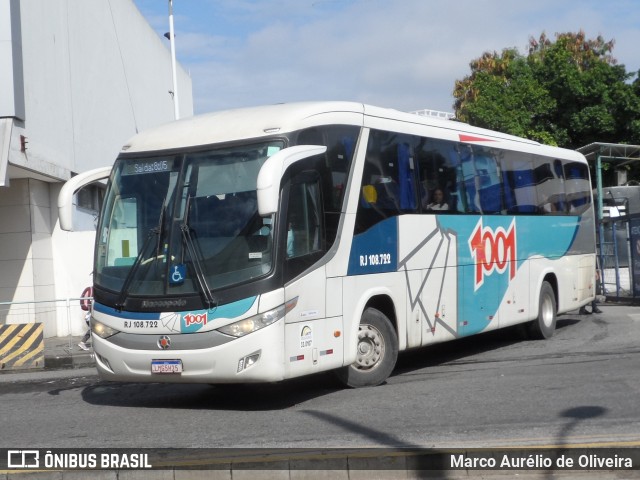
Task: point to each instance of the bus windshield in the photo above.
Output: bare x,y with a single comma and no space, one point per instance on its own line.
185,223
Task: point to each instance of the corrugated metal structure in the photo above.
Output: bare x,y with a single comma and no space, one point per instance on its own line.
618,221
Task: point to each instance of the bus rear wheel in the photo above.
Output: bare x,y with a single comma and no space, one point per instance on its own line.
545,325
377,352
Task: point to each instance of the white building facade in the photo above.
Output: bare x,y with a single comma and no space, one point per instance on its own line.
78,78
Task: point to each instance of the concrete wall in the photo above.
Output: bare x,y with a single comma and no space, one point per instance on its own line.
12,98
26,259
95,73
79,78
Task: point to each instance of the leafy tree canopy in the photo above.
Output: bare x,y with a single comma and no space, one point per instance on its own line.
568,92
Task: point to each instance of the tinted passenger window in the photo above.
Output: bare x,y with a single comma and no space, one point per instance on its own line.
409,174
577,187
550,186
521,195
388,186
305,228
334,168
438,162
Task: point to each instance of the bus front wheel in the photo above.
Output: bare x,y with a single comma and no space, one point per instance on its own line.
544,326
377,352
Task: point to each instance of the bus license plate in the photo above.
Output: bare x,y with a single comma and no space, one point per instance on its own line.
166,366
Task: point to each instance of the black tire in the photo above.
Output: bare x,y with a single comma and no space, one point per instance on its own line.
377,352
544,326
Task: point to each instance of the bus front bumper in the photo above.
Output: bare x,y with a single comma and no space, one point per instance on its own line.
256,357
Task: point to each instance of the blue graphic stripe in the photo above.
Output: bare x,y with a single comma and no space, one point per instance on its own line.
234,309
376,250
230,310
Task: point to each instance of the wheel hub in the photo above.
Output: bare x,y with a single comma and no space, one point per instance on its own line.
370,347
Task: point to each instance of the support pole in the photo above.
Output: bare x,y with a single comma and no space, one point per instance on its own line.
599,215
176,105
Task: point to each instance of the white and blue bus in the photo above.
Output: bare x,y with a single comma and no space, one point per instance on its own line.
267,243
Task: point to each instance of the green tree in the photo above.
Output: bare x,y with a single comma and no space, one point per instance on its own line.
570,92
502,94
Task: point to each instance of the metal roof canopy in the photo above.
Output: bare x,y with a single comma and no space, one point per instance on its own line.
611,151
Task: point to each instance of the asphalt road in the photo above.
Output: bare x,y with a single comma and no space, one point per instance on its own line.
580,387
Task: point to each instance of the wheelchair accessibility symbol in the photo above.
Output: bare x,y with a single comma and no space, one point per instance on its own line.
178,273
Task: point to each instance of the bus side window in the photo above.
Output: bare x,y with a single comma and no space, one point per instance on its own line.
303,220
437,176
305,226
520,184
388,185
577,187
334,170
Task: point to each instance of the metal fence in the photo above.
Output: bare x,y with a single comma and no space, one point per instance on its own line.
619,256
60,317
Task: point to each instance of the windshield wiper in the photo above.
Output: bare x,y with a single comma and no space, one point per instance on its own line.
157,230
160,226
134,268
193,249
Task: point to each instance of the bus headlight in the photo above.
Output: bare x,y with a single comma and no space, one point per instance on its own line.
251,324
101,330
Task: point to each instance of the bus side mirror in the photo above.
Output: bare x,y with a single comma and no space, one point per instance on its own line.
268,185
65,197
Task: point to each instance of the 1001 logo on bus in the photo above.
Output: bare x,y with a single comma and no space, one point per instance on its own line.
195,319
493,250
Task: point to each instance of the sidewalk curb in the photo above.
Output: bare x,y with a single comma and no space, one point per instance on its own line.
59,362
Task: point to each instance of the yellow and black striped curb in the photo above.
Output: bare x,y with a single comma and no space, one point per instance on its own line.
21,346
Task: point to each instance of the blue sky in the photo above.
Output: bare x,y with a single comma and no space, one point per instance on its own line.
403,54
